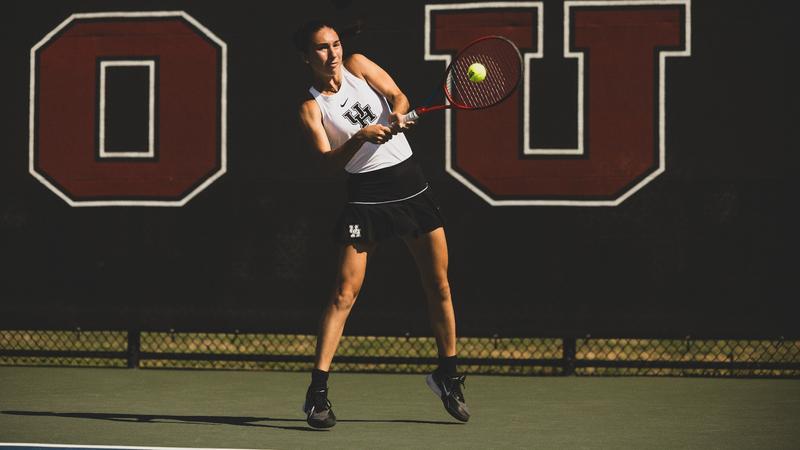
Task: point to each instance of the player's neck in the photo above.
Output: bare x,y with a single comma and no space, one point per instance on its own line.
329,85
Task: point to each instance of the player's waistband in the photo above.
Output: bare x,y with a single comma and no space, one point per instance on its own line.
390,184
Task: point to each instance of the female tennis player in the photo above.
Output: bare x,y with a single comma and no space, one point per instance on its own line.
355,119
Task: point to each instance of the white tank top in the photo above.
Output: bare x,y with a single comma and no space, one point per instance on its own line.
353,107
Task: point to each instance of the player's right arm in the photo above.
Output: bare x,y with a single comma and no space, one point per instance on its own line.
311,121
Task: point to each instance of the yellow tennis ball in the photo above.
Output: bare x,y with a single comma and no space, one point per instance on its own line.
476,72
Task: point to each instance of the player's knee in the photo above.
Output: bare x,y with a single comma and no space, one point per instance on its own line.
438,288
345,297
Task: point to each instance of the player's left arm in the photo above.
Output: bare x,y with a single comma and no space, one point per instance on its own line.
381,81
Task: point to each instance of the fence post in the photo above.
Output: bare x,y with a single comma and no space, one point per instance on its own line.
134,342
569,345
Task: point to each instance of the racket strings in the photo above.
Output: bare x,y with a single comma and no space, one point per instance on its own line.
485,93
503,72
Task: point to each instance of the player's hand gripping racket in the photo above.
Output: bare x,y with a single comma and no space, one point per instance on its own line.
502,72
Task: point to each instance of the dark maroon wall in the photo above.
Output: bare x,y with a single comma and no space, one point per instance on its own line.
706,248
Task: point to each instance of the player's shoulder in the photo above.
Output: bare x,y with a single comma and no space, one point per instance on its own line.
358,63
308,107
357,58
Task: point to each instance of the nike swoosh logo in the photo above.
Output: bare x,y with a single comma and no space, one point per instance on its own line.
345,102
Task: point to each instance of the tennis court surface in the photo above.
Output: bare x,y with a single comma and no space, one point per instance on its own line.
82,407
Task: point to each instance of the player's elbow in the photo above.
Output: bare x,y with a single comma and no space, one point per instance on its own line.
398,101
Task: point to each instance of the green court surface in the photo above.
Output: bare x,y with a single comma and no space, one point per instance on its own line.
261,410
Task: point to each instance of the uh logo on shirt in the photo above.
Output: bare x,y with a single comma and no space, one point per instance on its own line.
360,115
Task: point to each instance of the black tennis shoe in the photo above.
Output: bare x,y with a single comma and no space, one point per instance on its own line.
318,408
449,389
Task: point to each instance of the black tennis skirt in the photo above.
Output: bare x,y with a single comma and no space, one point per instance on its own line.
391,202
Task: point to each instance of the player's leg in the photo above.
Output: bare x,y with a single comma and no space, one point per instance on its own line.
352,267
430,253
350,277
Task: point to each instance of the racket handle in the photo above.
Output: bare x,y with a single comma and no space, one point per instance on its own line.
412,116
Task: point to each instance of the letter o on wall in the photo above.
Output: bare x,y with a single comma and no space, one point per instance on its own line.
187,95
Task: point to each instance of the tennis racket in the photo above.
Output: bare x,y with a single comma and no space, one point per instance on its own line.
503,63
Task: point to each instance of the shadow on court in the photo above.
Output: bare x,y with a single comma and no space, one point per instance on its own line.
208,420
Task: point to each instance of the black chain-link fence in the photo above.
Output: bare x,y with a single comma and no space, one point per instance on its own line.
405,354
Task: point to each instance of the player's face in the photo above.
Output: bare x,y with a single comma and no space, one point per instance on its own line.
326,51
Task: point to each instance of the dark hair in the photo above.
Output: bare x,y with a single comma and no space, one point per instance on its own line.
302,35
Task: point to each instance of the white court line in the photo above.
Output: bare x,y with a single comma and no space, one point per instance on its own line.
5,444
